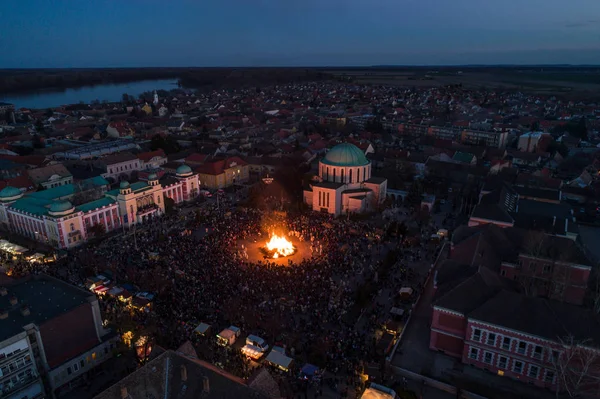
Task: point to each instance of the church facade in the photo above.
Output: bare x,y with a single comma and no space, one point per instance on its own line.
344,183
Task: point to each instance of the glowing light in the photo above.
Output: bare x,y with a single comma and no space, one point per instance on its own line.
127,337
280,246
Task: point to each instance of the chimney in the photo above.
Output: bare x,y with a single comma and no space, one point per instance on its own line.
3,314
3,291
124,394
183,373
13,300
205,385
25,311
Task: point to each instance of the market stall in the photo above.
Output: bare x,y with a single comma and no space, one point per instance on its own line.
279,360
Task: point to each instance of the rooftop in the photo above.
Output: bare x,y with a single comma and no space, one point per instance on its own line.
538,316
46,298
96,204
42,175
175,376
345,154
38,203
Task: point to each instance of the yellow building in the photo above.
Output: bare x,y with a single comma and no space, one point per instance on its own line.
147,109
223,173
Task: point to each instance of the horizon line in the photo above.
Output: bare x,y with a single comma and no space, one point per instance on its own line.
318,67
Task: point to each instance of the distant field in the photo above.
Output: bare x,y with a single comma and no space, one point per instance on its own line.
586,83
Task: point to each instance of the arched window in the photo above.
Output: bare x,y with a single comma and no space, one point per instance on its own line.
358,175
72,227
342,173
327,174
350,176
334,174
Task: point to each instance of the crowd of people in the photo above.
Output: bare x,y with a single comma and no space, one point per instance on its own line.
193,265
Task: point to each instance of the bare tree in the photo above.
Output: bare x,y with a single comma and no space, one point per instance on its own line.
547,249
577,368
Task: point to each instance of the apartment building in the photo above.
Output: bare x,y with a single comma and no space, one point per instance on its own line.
51,337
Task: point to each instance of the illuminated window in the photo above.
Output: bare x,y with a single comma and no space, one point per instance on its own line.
94,356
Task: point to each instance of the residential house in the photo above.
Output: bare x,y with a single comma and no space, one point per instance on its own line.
119,166
175,125
223,173
528,159
119,129
528,142
50,176
152,159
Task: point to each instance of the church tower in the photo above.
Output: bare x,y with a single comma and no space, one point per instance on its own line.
155,98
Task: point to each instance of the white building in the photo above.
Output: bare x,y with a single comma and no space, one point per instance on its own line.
345,183
50,217
528,142
119,166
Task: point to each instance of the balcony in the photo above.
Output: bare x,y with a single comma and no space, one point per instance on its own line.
147,209
7,370
9,388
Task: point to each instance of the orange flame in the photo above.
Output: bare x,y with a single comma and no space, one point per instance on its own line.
280,245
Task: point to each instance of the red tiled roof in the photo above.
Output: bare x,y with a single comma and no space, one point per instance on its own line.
146,156
36,160
218,167
22,181
69,335
197,158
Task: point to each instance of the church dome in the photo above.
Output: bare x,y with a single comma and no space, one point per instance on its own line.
183,170
9,193
124,184
60,207
345,154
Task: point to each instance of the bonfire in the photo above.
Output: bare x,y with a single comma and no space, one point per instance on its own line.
279,246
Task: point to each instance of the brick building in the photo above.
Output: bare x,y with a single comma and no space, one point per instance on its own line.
486,324
541,264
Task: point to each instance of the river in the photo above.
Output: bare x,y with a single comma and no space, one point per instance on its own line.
86,94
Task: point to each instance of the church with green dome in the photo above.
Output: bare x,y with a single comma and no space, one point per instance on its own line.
344,183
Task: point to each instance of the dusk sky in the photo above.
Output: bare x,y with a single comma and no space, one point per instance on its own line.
130,33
